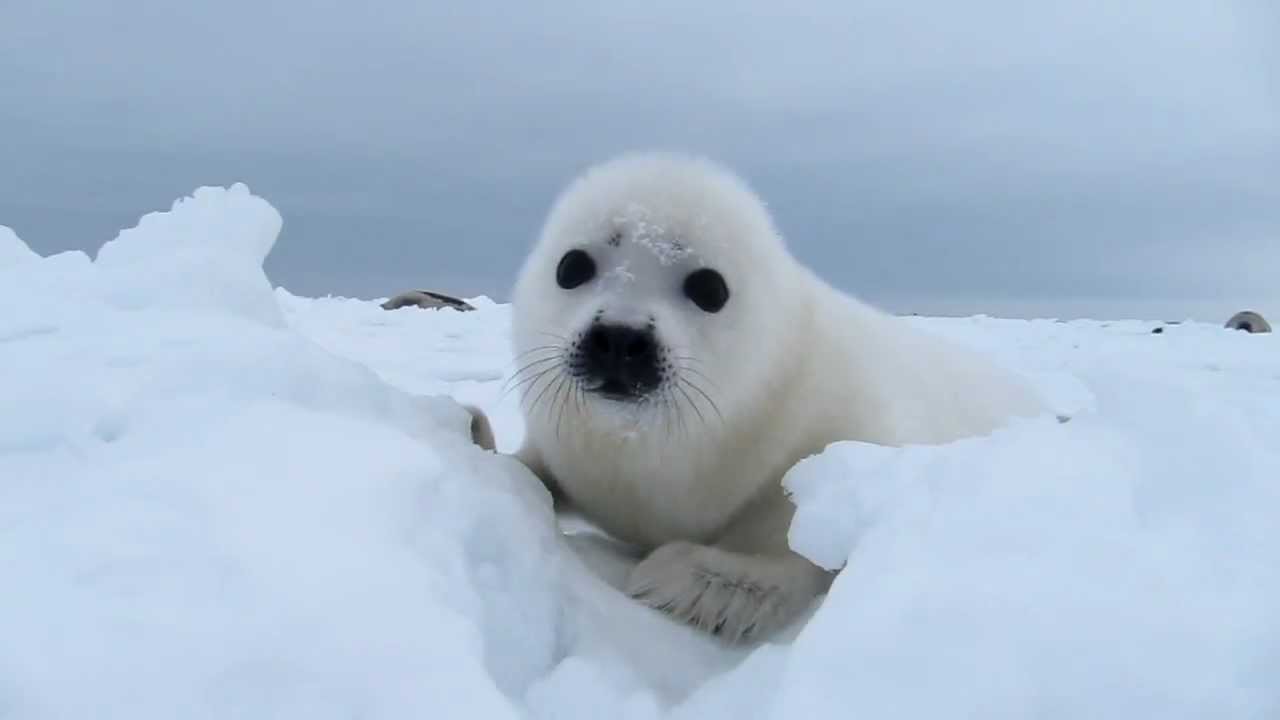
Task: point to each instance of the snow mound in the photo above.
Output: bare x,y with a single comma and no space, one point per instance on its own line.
12,250
204,254
1119,565
1103,568
207,516
218,499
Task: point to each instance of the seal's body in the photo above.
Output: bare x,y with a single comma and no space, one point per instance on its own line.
675,361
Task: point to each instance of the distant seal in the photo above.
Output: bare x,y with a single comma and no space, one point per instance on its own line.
425,299
675,361
1249,321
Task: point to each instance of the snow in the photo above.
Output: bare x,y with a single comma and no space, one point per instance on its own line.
12,249
655,237
218,499
204,255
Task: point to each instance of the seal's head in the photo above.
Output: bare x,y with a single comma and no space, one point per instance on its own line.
657,289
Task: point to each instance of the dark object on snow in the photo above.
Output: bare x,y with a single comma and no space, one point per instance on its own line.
481,430
1249,321
427,300
1157,331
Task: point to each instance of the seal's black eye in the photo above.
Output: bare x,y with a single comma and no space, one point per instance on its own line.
707,290
575,268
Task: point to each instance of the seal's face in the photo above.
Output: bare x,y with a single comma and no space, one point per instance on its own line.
620,353
650,279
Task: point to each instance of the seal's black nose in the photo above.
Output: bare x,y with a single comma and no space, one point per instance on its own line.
623,360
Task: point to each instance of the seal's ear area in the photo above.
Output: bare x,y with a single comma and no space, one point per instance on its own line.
481,430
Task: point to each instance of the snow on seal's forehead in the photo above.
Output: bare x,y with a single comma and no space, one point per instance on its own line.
671,204
662,237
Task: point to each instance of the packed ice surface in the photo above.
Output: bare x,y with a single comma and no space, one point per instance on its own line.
218,499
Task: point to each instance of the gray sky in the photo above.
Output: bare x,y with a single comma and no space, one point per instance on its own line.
1099,158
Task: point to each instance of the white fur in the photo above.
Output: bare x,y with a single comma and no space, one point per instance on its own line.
790,363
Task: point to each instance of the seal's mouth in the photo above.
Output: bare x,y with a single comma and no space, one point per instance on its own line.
618,391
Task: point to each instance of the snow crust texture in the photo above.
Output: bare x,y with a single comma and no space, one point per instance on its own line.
218,499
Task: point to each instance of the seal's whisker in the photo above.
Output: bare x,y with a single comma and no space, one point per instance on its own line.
666,411
701,375
583,406
692,404
532,350
529,366
563,397
538,399
698,389
674,402
528,380
538,360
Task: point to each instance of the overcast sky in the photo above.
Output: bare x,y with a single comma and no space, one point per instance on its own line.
1097,158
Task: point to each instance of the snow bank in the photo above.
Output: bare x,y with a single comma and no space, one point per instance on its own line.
1120,565
204,514
222,500
204,255
12,249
